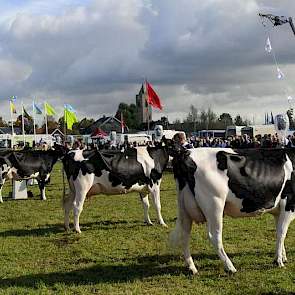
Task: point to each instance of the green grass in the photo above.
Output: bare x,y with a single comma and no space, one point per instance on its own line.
117,254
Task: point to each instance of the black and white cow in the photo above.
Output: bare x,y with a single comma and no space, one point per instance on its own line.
27,164
212,182
137,169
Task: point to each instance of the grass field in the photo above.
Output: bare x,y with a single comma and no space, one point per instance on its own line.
117,254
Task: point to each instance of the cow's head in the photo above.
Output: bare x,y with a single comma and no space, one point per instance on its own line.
60,150
175,149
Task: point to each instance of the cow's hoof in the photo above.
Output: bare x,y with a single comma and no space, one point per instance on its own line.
279,263
193,272
149,223
164,224
67,228
231,270
78,231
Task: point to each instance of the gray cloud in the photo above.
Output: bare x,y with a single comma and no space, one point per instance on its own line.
95,55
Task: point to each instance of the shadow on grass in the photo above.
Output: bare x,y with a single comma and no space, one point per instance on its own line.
58,228
96,274
43,231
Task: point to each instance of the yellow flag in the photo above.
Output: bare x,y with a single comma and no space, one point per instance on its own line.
12,108
49,110
70,118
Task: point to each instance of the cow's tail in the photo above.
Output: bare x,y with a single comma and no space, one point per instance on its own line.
176,235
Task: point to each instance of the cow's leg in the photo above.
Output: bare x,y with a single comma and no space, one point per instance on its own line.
283,222
41,184
187,226
145,203
213,208
82,186
284,255
155,192
68,203
2,181
180,236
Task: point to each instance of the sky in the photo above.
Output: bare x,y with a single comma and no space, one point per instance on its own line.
94,54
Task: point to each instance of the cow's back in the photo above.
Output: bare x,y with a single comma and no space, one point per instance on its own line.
248,180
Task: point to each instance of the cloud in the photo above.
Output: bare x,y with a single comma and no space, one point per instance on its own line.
95,54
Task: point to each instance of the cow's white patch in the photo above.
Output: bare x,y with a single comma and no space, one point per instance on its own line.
34,175
145,160
5,168
47,177
78,155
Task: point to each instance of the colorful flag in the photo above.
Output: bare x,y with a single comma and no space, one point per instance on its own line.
49,110
70,118
37,109
268,47
69,108
12,107
280,74
152,97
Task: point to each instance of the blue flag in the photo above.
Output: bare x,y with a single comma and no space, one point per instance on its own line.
37,109
69,108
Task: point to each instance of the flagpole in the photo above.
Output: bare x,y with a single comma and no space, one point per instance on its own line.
65,124
148,109
46,125
23,125
12,130
34,123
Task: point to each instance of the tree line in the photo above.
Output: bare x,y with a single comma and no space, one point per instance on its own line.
195,120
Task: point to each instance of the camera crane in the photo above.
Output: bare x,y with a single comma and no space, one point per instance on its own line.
277,20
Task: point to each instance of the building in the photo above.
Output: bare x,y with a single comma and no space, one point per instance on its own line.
144,110
106,124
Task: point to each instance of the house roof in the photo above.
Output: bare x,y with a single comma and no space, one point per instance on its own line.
106,124
57,131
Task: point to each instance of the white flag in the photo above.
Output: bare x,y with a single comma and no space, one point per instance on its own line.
280,74
268,47
290,98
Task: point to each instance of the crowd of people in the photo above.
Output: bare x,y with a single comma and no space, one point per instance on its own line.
236,142
244,141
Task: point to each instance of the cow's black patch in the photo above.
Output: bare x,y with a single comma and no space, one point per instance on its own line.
160,157
289,190
256,176
184,169
123,167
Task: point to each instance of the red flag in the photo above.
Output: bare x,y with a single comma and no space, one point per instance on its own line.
152,97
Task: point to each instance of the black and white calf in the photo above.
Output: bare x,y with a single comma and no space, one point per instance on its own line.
239,183
27,164
137,169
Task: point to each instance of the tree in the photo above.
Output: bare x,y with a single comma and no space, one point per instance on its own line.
192,117
238,121
129,114
3,123
225,120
